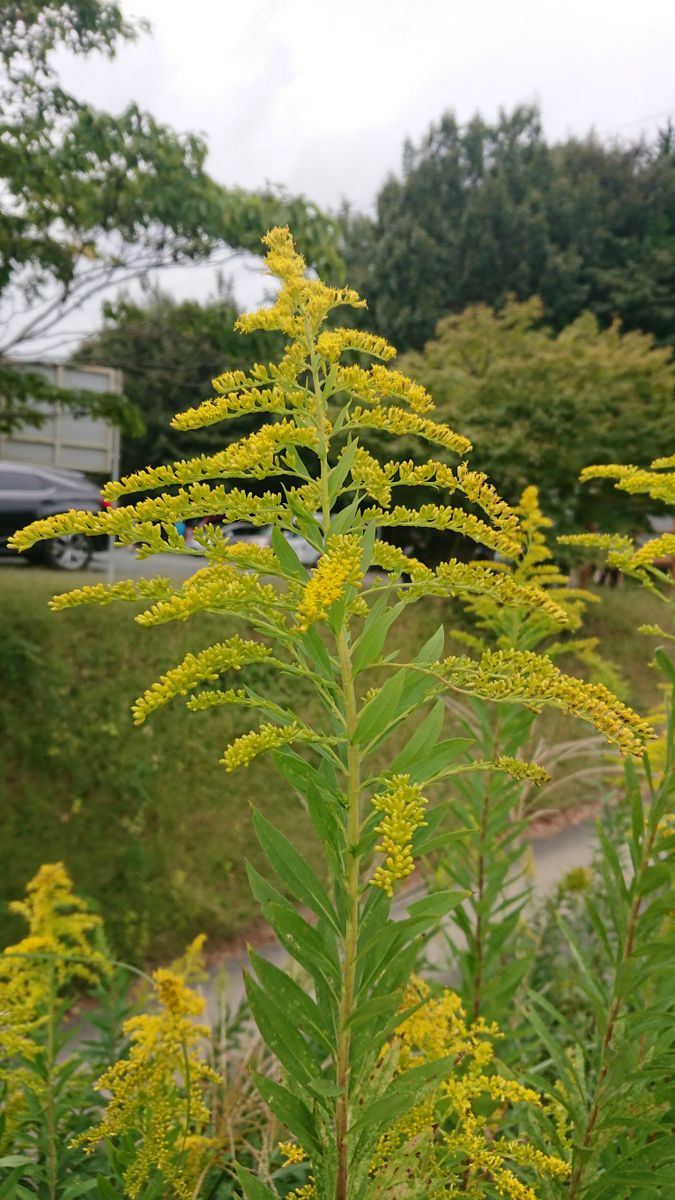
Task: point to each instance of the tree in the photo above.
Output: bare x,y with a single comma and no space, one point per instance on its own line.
89,199
541,405
168,353
484,211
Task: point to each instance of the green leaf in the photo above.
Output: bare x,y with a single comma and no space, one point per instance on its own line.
432,649
370,643
422,741
282,1037
303,942
292,870
377,713
438,904
338,473
105,1189
343,521
252,1188
297,1004
287,558
294,1114
440,759
665,665
78,1188
406,1091
16,1160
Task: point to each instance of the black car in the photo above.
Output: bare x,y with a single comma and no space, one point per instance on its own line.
27,493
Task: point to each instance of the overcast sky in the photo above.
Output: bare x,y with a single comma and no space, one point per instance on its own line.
319,95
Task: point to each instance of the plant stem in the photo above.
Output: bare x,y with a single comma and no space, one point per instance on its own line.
577,1179
352,922
479,939
51,1126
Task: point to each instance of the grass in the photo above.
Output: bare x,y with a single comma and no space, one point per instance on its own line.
150,827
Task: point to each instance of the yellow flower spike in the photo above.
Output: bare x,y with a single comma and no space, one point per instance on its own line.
333,342
59,925
244,749
292,1152
195,669
254,456
217,588
398,421
461,1143
533,679
339,566
161,1087
397,562
106,593
403,805
435,516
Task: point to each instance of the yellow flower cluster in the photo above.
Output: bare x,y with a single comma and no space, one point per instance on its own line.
397,562
450,1141
244,749
657,482
369,475
58,950
234,404
195,669
333,342
292,1152
436,516
137,522
216,588
253,455
338,567
158,1091
60,928
458,577
519,675
403,806
158,588
300,300
397,421
517,768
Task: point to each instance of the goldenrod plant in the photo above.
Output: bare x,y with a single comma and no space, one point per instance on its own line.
40,1099
493,951
614,1066
335,626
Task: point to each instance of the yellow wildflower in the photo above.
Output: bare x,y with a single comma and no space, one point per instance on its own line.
292,1152
60,929
157,1093
339,566
398,421
244,749
403,805
195,669
508,675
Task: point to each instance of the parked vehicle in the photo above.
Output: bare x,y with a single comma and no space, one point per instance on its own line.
28,493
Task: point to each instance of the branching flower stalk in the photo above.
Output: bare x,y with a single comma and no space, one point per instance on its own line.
340,1090
633,1007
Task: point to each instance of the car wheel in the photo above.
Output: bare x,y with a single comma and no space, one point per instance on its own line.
71,552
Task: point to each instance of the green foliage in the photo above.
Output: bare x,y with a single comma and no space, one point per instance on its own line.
93,198
483,211
340,1084
168,353
534,402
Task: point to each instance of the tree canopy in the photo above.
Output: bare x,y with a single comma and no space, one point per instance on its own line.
483,211
90,198
169,352
539,405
